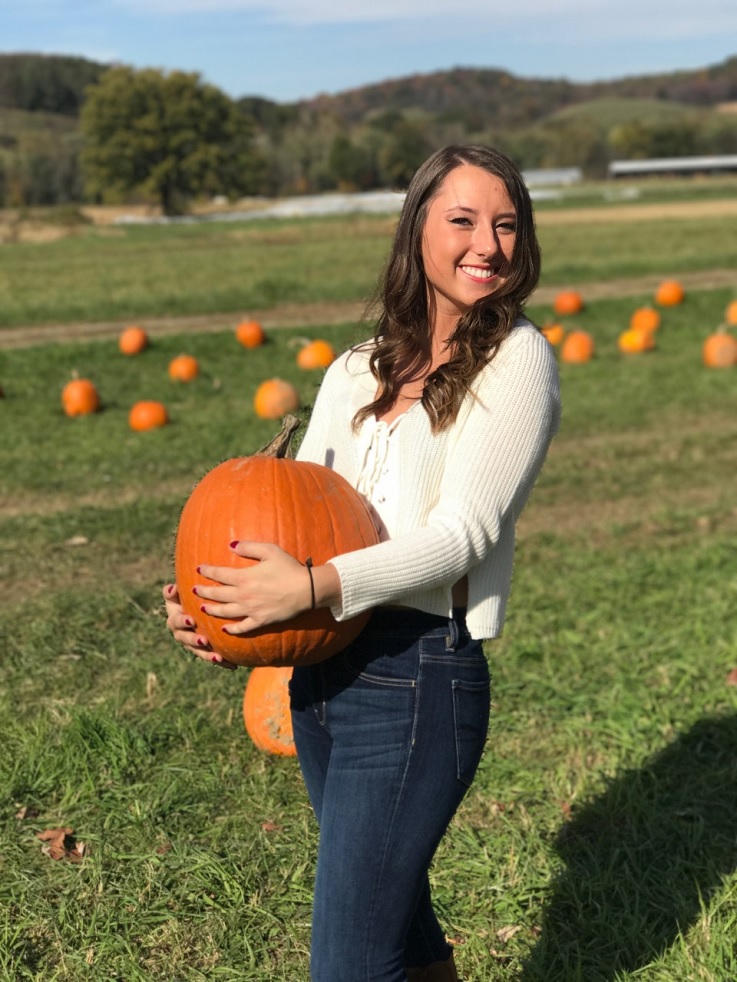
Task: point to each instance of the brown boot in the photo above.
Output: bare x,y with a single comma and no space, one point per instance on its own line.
437,972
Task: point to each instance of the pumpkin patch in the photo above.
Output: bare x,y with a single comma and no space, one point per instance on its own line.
316,354
250,334
275,398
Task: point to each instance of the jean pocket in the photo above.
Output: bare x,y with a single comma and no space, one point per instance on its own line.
471,701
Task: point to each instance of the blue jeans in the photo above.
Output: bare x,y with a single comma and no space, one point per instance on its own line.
389,734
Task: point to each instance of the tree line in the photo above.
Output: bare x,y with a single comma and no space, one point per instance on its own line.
73,130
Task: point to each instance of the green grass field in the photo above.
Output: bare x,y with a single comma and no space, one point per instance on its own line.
598,842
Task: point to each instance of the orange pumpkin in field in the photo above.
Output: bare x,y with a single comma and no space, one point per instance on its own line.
645,319
730,314
266,713
308,510
80,397
147,415
250,334
274,398
316,354
184,368
578,347
634,341
554,333
133,341
568,302
720,350
670,293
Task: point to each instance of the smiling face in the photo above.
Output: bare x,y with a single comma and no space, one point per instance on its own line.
467,241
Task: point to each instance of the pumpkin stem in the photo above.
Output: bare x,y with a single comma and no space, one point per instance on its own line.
279,446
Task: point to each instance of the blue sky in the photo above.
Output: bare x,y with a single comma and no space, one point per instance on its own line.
287,50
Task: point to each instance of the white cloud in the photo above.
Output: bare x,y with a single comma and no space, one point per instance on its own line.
592,17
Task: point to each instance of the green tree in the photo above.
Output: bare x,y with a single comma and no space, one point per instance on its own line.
169,136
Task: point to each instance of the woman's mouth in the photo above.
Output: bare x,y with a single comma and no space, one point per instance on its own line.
480,273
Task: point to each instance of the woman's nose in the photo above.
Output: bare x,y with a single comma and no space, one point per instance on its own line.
485,242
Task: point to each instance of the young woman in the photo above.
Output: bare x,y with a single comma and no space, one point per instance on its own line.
442,421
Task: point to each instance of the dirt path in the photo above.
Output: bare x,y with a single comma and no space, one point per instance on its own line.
315,314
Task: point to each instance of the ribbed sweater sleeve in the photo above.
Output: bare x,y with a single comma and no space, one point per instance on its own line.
493,454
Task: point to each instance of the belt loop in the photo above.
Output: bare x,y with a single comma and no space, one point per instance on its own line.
451,641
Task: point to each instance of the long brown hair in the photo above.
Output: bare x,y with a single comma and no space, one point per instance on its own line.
403,327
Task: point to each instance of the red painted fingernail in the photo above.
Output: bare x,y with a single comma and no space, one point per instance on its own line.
202,642
202,608
169,590
194,590
198,569
215,659
234,544
189,622
225,630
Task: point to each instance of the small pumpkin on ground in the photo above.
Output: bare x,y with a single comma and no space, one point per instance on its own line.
184,368
275,398
578,347
133,340
266,713
80,397
250,334
635,341
720,350
645,319
730,314
316,354
554,333
568,302
670,293
148,414
306,509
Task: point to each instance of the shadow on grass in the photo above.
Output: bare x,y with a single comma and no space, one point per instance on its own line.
642,860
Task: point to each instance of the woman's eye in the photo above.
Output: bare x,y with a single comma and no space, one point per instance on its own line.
460,220
507,226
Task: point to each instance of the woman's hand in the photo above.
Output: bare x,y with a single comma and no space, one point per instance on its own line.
275,588
184,630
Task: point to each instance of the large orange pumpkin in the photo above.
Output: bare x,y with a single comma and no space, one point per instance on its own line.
250,334
568,302
147,415
266,713
80,397
730,314
307,509
645,319
275,398
316,354
578,347
720,350
184,368
670,293
635,341
133,341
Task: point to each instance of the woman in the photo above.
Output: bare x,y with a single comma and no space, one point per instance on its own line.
442,421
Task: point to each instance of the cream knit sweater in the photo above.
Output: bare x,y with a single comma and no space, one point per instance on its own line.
462,490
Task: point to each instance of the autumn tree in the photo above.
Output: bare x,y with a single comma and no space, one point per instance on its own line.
165,135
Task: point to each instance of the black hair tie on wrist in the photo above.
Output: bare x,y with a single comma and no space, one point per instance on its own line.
308,564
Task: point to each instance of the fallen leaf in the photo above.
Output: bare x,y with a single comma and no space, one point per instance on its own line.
271,827
732,677
505,933
77,540
61,844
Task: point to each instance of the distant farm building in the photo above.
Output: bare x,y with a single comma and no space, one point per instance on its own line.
552,177
674,165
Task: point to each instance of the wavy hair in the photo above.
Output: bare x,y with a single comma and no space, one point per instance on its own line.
402,337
